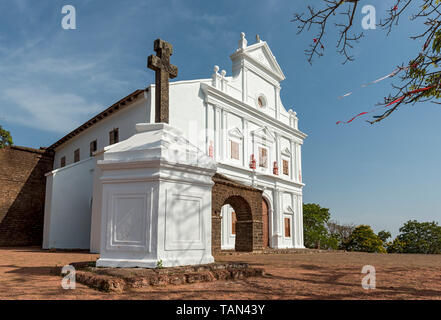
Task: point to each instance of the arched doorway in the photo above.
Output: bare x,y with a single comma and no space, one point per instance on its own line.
246,203
265,223
242,218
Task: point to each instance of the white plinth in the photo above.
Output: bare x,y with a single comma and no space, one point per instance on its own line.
156,201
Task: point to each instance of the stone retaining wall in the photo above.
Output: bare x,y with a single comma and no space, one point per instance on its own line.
22,195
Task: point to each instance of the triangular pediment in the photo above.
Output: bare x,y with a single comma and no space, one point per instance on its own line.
288,209
264,133
261,55
286,152
235,132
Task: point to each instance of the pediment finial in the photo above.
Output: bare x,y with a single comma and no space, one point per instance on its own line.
257,38
243,41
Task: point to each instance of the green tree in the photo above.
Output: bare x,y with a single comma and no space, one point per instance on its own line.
419,237
395,246
316,234
420,78
5,138
384,235
365,240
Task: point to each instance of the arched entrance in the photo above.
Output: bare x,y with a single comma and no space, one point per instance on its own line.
265,223
246,203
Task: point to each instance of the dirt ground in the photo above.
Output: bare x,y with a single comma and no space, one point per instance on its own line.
25,274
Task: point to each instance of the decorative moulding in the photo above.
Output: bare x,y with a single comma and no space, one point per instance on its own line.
224,101
235,132
289,210
263,134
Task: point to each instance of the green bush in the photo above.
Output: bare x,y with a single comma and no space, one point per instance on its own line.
365,240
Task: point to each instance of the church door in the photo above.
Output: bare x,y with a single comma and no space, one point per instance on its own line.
265,217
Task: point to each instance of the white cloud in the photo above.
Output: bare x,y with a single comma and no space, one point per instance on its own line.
41,108
57,65
46,91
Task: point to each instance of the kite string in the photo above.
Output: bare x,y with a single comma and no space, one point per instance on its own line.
388,105
390,75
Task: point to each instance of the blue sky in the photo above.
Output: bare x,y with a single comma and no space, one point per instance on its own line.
53,79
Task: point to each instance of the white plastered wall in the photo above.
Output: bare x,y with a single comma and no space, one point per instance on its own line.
68,206
228,240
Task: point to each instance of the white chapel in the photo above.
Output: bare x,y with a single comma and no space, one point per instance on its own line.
234,125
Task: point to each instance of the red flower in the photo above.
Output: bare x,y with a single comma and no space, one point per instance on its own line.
395,8
315,40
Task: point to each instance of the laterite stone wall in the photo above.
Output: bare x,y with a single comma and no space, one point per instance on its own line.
22,195
247,203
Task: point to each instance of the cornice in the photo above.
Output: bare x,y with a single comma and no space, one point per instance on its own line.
214,96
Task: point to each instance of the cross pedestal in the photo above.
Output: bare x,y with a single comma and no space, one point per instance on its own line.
156,201
156,190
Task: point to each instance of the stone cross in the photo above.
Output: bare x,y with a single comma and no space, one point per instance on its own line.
163,71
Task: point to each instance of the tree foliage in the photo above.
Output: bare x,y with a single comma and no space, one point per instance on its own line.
365,240
395,246
384,235
5,138
420,77
316,234
417,237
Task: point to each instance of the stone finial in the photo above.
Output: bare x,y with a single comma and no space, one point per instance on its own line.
243,41
223,73
257,38
292,113
216,69
293,120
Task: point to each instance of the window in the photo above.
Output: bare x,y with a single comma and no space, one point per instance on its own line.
263,157
93,147
63,162
235,143
113,136
285,167
235,150
77,155
287,228
233,222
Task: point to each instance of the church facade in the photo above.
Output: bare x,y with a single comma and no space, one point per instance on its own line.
238,120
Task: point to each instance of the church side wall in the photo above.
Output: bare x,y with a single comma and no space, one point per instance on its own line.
69,206
22,193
